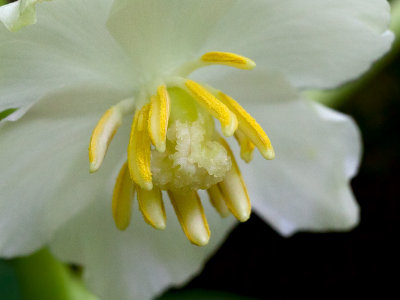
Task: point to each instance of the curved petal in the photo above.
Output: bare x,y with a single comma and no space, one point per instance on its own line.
307,186
18,14
164,33
44,178
254,87
313,43
70,45
138,263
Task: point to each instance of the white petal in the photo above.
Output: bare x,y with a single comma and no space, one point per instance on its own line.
69,45
307,186
140,262
255,86
313,43
159,35
44,178
18,14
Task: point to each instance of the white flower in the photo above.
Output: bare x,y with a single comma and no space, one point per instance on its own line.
85,56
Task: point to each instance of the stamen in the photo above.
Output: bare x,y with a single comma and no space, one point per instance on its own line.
218,201
139,150
191,216
152,207
158,118
246,146
215,107
234,190
228,59
250,127
124,191
102,136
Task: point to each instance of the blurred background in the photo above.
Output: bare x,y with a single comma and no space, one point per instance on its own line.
256,263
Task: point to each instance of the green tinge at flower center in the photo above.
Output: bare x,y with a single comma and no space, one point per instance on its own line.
193,159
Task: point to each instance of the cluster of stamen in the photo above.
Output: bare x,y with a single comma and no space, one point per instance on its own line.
152,137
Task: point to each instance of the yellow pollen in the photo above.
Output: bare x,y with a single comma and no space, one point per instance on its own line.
228,59
215,107
246,146
152,207
234,190
158,118
122,198
102,136
190,213
249,126
139,150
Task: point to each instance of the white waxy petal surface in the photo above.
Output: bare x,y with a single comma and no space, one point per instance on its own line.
312,43
169,32
68,47
44,178
138,263
307,185
18,14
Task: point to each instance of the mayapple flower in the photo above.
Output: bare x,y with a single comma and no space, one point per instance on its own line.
87,68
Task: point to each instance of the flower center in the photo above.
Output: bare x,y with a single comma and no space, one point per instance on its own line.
175,147
193,159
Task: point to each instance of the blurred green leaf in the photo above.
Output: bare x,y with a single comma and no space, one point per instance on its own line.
8,282
7,112
42,276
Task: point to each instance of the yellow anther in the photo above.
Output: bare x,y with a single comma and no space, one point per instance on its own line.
246,146
139,150
249,126
234,190
228,59
218,201
102,136
158,118
215,107
191,216
152,207
122,198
